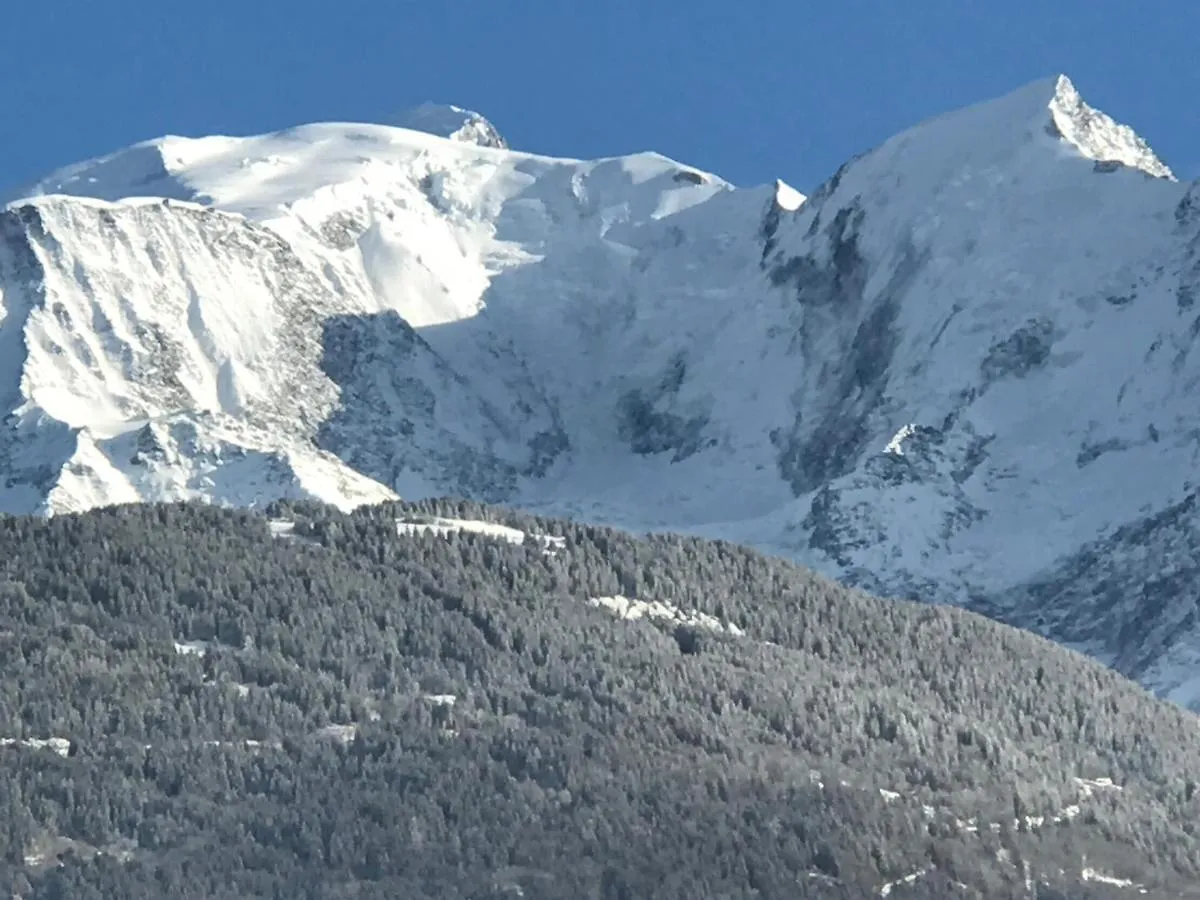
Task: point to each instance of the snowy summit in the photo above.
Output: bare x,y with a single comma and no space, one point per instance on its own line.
1097,136
452,122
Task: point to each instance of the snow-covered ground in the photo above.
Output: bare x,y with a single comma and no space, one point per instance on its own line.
442,526
59,745
961,369
629,609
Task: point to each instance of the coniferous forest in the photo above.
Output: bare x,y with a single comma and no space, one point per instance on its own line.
303,703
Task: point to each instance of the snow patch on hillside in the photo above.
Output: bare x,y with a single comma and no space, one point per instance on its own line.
632,609
1087,873
442,527
341,734
58,745
911,878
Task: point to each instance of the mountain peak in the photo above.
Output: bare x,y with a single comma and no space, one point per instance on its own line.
1034,136
454,122
1096,135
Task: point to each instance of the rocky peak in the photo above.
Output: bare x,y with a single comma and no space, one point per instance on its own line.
452,122
1097,136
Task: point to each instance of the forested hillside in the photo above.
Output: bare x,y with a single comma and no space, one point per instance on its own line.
210,703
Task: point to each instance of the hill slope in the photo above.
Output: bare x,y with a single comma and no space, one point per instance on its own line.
961,371
421,701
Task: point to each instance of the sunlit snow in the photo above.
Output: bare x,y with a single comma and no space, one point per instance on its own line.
961,360
441,526
628,608
58,745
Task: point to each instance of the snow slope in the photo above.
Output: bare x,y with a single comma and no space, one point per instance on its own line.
960,370
239,321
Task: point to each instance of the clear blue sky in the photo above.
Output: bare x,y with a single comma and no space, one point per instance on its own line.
751,90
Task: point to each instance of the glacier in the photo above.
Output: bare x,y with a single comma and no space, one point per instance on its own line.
960,370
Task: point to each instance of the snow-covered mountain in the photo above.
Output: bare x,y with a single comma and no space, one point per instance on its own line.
452,122
961,370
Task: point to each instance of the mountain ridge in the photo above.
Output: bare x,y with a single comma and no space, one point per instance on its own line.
926,378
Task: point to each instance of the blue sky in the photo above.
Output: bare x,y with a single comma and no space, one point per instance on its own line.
750,90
